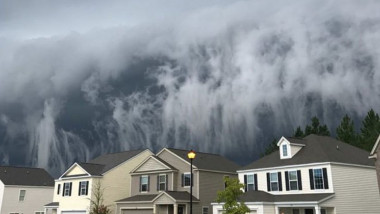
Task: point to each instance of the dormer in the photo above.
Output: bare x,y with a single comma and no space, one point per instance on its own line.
288,149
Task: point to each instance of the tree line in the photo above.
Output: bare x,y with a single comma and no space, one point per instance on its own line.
364,138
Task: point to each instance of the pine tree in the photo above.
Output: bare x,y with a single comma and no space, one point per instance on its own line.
299,132
316,128
346,131
370,130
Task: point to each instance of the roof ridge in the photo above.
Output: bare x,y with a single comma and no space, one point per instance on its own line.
25,167
197,152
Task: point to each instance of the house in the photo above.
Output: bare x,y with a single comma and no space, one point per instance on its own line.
76,187
375,154
312,175
161,183
24,190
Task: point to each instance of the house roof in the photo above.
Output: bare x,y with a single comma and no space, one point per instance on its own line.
107,162
52,204
25,176
180,195
137,198
317,149
208,161
177,195
156,158
261,196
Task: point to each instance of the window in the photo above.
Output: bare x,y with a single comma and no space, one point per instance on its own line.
144,183
318,179
274,181
162,182
67,189
83,185
39,212
284,150
204,210
296,211
186,179
323,211
293,180
250,182
21,196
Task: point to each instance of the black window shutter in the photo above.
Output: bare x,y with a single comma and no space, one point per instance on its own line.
166,180
148,183
255,180
58,189
70,188
158,182
63,190
87,187
140,184
311,176
325,179
268,182
245,183
80,183
287,180
182,180
299,179
279,181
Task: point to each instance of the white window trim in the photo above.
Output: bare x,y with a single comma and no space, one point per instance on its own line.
253,181
159,182
19,194
270,180
290,189
285,148
66,185
323,179
147,180
84,188
184,179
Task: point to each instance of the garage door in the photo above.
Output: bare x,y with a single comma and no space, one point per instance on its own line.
73,212
146,211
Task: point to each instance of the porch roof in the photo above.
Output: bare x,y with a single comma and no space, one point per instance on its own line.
52,204
175,195
261,196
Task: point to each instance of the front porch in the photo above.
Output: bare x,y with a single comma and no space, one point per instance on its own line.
304,210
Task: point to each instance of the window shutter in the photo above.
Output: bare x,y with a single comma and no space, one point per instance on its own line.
255,180
158,182
70,184
166,180
58,188
148,183
287,180
183,180
245,184
87,187
63,190
140,184
325,179
311,176
299,179
80,183
268,182
279,181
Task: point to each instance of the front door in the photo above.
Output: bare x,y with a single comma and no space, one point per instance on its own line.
181,210
309,211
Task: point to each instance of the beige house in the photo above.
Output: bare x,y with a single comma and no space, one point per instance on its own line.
312,175
75,189
375,154
161,183
24,190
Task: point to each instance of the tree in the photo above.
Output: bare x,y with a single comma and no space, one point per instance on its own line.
316,128
299,132
97,206
230,197
346,131
370,130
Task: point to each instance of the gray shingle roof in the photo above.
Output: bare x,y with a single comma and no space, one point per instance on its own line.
106,162
137,198
261,196
181,195
52,204
316,149
25,176
208,161
177,195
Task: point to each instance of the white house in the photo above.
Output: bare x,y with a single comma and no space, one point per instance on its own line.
24,190
312,175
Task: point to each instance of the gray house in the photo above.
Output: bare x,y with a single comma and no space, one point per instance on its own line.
161,183
375,154
24,190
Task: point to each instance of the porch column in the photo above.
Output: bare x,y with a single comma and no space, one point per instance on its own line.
175,208
277,210
317,210
154,209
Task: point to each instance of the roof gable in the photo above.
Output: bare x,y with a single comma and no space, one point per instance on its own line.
75,170
25,176
376,146
153,163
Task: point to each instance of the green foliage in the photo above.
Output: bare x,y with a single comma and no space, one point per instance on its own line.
97,206
270,148
299,132
370,130
346,132
316,128
230,197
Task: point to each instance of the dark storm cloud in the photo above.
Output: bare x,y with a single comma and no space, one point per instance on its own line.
79,78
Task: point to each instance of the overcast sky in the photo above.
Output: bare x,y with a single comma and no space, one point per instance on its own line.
81,78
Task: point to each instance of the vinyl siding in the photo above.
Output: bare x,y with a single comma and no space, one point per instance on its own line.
377,163
152,183
269,209
35,199
354,190
76,170
151,164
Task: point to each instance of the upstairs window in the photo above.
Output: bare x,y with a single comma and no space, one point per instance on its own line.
293,180
274,181
186,179
318,178
21,196
67,189
162,181
83,188
285,150
144,183
250,182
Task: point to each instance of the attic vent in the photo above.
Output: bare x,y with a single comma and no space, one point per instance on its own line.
337,147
